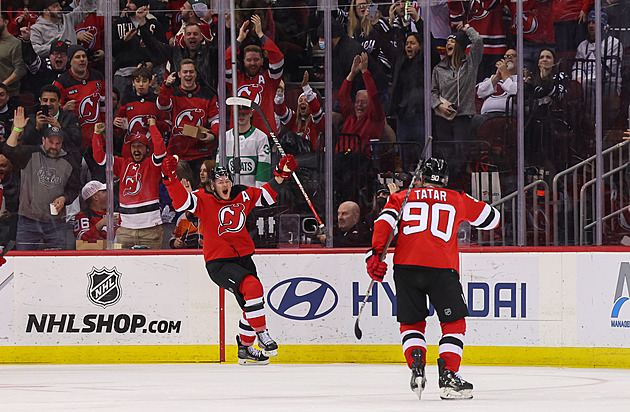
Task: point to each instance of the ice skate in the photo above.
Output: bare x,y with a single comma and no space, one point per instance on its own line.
248,355
268,346
453,386
418,379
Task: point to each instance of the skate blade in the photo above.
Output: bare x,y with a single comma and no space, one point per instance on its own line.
270,354
251,362
419,388
452,394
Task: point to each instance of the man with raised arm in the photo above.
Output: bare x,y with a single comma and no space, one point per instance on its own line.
228,247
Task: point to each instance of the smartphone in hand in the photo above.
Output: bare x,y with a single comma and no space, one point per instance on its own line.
372,11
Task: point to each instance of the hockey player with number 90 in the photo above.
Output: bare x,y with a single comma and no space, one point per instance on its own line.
228,248
426,263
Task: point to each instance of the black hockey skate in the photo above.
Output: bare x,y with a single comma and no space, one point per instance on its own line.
248,355
418,379
453,386
268,346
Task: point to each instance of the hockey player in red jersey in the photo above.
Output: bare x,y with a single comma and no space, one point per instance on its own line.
228,247
258,84
426,263
139,187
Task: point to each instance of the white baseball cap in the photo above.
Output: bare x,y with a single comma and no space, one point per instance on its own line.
91,188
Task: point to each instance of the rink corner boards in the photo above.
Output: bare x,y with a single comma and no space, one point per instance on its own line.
618,358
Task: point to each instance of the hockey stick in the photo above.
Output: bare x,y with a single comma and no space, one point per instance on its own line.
243,101
416,173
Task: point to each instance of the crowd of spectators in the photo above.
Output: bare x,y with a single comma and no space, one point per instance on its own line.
166,64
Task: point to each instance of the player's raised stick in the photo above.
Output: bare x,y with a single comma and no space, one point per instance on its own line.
415,177
243,101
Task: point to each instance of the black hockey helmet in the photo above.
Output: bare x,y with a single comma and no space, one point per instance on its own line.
220,171
435,171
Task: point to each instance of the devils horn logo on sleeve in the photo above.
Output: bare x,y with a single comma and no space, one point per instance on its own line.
104,286
231,218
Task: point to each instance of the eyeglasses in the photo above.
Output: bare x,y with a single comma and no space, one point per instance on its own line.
509,56
362,6
58,53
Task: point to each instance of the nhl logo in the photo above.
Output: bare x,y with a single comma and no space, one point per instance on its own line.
104,286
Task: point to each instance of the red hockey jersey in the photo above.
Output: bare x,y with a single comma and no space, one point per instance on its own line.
223,221
198,107
95,25
139,183
261,89
427,232
85,225
537,20
89,94
137,110
309,128
485,16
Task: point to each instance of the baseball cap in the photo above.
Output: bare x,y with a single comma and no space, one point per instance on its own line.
199,7
140,137
54,132
47,3
604,17
61,47
91,188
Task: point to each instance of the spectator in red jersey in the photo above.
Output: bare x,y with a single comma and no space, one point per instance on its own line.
365,116
141,221
82,92
569,17
308,120
190,104
135,110
22,13
90,34
90,224
256,82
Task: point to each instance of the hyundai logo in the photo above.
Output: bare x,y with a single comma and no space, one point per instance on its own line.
302,298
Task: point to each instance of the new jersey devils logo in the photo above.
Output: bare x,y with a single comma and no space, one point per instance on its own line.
132,180
91,29
89,108
137,125
188,116
231,218
251,91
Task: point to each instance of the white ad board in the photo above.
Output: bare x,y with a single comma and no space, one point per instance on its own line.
603,295
131,300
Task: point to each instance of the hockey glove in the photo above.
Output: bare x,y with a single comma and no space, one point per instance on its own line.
375,268
2,260
286,166
169,166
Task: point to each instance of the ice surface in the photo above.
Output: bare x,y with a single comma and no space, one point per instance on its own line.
337,387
